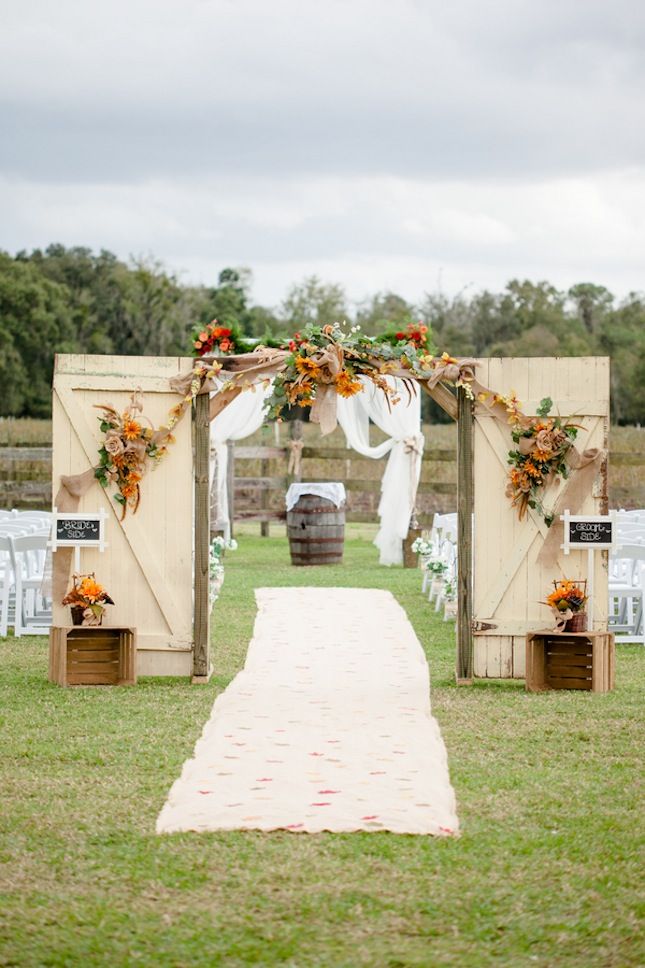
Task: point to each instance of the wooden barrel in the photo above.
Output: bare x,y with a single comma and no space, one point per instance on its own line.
316,531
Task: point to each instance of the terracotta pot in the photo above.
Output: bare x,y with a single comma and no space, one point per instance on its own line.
577,623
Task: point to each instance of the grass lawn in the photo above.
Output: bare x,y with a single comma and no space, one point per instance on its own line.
546,871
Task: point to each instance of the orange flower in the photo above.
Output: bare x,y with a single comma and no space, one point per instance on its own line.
346,386
128,490
131,429
90,589
305,364
542,456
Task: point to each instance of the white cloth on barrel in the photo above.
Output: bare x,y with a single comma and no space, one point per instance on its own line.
331,490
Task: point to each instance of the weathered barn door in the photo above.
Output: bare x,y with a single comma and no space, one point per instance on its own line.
148,566
509,581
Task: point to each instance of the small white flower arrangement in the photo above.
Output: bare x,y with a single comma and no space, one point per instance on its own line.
218,546
450,591
423,547
436,567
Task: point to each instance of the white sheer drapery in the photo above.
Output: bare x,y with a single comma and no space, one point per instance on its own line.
241,418
402,423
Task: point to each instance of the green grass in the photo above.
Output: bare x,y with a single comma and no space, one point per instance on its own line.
546,871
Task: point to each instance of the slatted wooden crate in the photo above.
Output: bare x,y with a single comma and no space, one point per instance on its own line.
570,660
92,656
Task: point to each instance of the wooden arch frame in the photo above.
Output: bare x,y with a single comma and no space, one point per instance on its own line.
460,408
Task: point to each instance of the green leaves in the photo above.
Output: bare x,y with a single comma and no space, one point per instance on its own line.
545,407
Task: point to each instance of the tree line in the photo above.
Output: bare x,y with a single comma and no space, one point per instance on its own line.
71,300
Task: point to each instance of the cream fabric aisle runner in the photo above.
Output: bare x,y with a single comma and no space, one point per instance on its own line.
328,726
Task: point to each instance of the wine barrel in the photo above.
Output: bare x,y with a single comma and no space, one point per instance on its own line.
316,531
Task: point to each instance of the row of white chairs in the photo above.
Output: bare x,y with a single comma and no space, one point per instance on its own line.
441,588
23,549
627,578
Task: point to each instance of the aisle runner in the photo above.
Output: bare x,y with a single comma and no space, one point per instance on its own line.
328,726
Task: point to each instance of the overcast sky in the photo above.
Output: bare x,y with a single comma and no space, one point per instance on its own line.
408,145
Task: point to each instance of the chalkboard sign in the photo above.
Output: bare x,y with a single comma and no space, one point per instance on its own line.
79,530
590,533
85,530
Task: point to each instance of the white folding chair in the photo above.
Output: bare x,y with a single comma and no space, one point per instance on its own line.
626,587
32,614
6,582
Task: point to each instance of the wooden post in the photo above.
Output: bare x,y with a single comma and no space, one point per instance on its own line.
230,484
202,669
465,505
295,432
264,502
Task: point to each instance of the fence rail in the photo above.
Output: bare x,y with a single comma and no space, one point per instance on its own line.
25,479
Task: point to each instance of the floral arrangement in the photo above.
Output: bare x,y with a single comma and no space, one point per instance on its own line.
542,446
214,338
450,591
423,546
415,333
128,444
435,567
329,358
217,548
88,595
567,602
567,596
131,444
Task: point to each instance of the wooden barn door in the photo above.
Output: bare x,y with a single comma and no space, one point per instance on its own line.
509,582
148,565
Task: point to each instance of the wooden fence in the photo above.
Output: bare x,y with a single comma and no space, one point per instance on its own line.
260,478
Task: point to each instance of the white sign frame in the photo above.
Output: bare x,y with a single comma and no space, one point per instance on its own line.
99,516
590,547
568,545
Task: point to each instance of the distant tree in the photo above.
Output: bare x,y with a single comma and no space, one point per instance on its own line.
384,311
622,337
451,320
592,303
312,301
34,325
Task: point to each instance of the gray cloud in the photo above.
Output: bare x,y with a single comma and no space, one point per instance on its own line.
496,89
379,143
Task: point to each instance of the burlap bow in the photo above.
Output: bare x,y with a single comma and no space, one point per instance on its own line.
323,410
295,457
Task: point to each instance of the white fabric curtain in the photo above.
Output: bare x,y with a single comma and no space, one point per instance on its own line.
402,423
239,419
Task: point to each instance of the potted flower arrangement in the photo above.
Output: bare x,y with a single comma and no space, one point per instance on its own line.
423,547
87,599
567,602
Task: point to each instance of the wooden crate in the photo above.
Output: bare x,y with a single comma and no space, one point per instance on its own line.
570,660
92,656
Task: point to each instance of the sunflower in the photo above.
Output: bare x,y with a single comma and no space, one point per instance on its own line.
346,386
307,366
131,429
